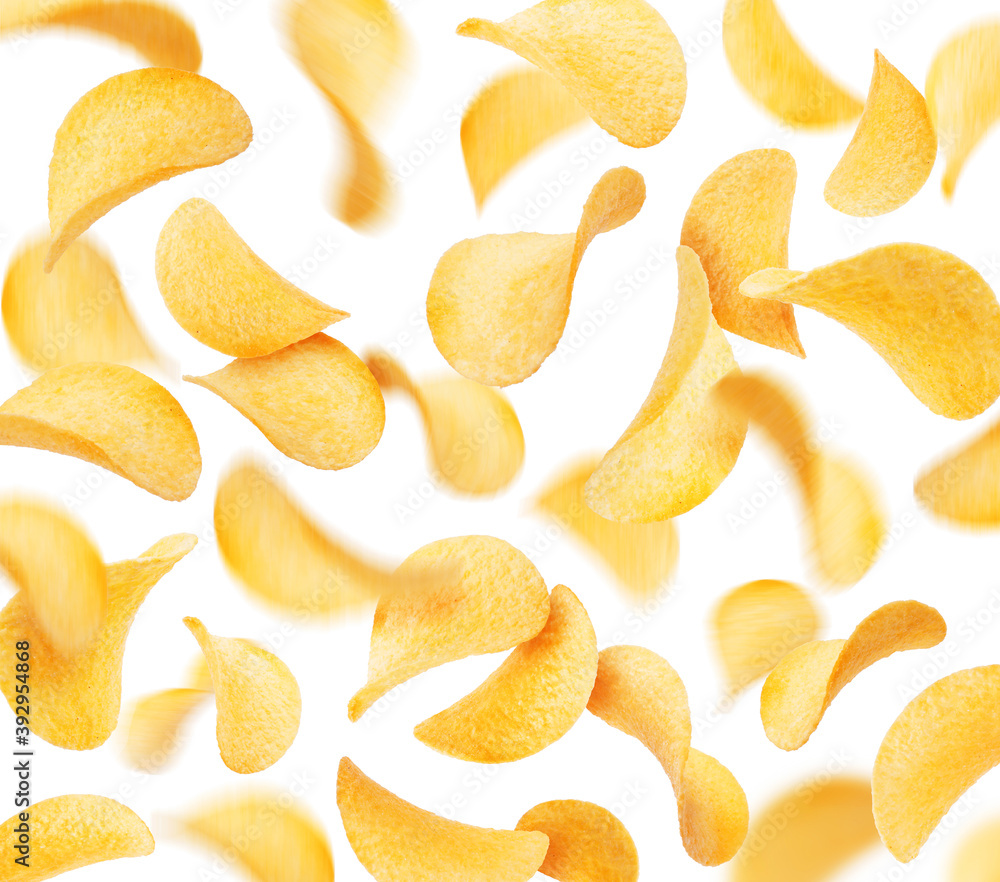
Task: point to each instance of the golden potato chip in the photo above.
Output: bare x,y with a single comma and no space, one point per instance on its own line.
681,445
531,700
257,700
398,842
498,304
130,132
473,434
154,730
314,400
223,294
75,701
978,857
798,691
586,842
495,601
769,63
639,693
112,416
944,741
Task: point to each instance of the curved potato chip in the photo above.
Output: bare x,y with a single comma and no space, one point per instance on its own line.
75,701
531,700
315,401
978,857
257,700
773,68
737,224
131,132
398,842
474,436
639,693
112,416
498,601
944,741
154,731
680,446
498,304
586,842
223,294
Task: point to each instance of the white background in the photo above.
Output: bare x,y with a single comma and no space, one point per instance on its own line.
578,402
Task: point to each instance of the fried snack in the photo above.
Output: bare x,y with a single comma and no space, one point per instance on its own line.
154,729
976,859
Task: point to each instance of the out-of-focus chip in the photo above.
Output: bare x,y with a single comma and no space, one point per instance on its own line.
642,695
498,304
398,842
495,600
154,730
314,400
978,856
112,416
130,132
681,445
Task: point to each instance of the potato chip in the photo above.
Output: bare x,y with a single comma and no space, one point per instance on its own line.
398,842
497,601
978,857
154,730
75,701
314,400
223,294
257,700
944,741
681,445
586,842
737,224
769,63
798,691
112,416
498,304
130,132
473,434
639,693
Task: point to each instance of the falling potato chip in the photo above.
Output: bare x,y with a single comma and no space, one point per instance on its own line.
130,132
944,741
112,416
154,731
639,693
495,601
681,445
398,842
978,856
75,701
497,305
314,400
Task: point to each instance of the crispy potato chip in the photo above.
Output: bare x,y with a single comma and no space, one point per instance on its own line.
130,132
586,842
257,700
498,601
639,693
769,63
498,304
978,856
314,400
223,294
154,730
75,701
398,842
681,445
112,416
944,741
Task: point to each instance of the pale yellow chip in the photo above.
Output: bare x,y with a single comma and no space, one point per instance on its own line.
498,304
315,401
155,727
944,741
777,73
681,445
493,599
642,695
112,416
75,702
131,132
977,858
398,842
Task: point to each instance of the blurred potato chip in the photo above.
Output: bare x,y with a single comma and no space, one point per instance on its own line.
154,730
680,446
498,304
398,842
112,416
977,858
639,693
